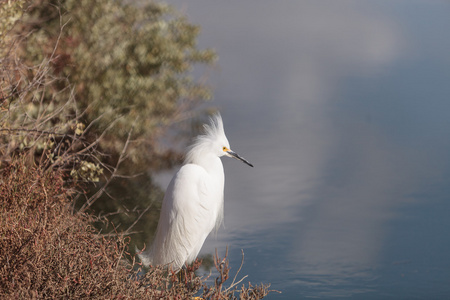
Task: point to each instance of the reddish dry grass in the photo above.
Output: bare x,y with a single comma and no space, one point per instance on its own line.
48,252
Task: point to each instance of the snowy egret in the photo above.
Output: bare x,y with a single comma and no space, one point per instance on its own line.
193,203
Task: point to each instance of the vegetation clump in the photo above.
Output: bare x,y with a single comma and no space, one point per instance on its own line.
87,89
48,252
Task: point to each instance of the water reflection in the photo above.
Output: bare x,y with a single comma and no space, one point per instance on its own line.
329,100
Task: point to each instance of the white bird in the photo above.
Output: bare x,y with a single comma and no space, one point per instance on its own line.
193,203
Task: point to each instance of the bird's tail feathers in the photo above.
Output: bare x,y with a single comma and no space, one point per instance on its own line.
144,256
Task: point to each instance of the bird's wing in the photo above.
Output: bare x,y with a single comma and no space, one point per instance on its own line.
187,217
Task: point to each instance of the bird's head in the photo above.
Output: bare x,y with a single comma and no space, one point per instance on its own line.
213,141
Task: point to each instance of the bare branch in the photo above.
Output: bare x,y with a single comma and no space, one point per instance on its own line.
97,195
234,283
138,218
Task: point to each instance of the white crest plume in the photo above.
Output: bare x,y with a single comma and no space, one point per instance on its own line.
202,143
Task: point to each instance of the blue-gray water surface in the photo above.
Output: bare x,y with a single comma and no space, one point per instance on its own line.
344,109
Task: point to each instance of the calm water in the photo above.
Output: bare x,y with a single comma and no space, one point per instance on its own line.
344,109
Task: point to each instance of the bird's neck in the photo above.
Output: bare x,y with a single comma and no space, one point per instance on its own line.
213,165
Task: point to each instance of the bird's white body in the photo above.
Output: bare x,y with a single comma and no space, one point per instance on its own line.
193,203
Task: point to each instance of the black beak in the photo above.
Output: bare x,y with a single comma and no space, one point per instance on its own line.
235,155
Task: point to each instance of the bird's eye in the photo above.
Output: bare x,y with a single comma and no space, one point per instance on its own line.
224,149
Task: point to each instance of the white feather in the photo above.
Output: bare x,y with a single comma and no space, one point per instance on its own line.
193,203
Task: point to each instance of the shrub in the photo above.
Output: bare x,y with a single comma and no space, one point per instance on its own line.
129,64
47,252
55,83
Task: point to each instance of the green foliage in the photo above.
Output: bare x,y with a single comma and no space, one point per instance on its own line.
87,171
82,75
10,12
128,63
